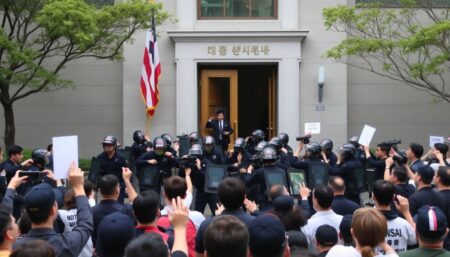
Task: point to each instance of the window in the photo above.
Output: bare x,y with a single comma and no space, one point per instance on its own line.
419,3
237,9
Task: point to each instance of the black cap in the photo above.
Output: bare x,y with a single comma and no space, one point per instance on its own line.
283,203
114,233
326,235
40,198
431,222
267,235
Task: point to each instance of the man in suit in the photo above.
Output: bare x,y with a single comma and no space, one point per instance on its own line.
221,130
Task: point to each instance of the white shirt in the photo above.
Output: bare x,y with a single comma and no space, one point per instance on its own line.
400,235
69,218
349,251
317,220
196,217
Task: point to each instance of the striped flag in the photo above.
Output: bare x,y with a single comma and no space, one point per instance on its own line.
151,71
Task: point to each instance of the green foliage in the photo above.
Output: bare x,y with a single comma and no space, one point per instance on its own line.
407,44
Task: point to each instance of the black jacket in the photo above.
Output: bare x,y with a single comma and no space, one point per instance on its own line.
214,124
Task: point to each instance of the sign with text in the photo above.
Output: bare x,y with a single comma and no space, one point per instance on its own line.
436,140
238,50
366,135
65,151
312,128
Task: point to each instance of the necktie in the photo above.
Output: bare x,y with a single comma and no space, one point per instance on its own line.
220,128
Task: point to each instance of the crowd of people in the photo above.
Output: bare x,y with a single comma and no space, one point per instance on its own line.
150,199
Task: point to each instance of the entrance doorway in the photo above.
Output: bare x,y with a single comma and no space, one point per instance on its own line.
246,93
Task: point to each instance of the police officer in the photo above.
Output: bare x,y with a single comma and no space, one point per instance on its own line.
112,162
256,137
194,138
160,157
283,158
313,163
352,172
239,160
259,177
141,144
285,140
173,148
210,154
327,149
360,154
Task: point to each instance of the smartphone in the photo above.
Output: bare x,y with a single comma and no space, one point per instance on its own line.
32,175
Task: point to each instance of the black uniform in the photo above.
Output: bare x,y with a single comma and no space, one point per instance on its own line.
284,161
10,169
347,171
379,165
198,180
332,159
245,162
164,166
138,150
214,157
113,166
290,152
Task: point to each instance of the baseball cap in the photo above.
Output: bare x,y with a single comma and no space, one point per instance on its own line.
267,235
326,235
114,233
345,226
283,203
431,222
40,198
426,172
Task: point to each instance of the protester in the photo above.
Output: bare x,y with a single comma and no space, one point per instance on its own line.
341,205
9,231
268,237
35,248
326,238
114,233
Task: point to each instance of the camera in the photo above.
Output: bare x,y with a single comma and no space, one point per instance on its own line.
304,139
400,157
391,143
188,161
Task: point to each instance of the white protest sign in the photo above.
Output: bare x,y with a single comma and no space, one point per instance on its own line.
65,151
312,128
435,140
366,135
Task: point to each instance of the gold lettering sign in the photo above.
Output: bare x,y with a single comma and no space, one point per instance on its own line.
238,50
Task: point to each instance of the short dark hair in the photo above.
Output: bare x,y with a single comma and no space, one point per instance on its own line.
383,191
24,223
417,149
40,216
338,187
88,187
49,147
70,200
226,236
107,184
148,244
400,173
231,193
384,148
275,191
174,187
220,112
35,248
324,195
14,149
5,221
441,147
146,206
443,174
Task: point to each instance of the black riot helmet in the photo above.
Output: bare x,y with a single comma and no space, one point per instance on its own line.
110,140
239,144
348,151
326,144
39,157
258,136
276,143
194,138
284,138
208,144
167,138
354,141
269,154
196,150
159,145
138,137
260,146
313,149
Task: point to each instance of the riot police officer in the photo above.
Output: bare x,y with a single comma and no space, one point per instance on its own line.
239,159
161,158
359,149
194,138
256,137
262,177
283,158
327,149
285,140
140,145
112,162
316,171
210,154
352,172
170,148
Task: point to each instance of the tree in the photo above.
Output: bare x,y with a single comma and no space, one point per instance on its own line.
410,44
39,37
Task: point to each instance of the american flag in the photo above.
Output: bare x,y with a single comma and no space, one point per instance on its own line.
151,70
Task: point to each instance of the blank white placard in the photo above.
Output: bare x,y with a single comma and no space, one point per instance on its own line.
65,151
366,135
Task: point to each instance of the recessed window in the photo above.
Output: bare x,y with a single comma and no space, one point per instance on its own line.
237,9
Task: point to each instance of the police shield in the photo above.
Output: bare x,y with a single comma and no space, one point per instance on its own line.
148,177
214,174
275,177
317,174
94,170
359,184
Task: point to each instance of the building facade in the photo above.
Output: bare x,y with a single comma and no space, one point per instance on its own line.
256,60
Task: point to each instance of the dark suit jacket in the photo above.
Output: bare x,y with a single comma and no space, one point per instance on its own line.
214,124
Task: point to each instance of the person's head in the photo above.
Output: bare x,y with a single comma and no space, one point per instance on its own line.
442,177
109,186
441,147
345,230
35,248
208,144
220,114
231,193
159,146
337,184
399,175
40,204
382,151
147,244
414,151
226,236
174,187
431,226
109,144
88,188
288,212
8,227
70,201
369,228
268,237
322,197
296,239
383,192
146,207
15,153
424,176
114,233
277,190
326,237
24,223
